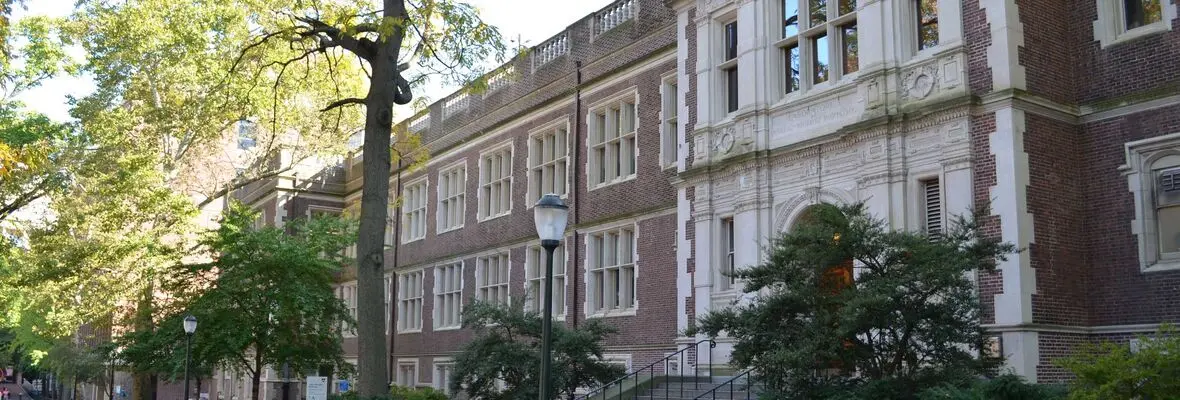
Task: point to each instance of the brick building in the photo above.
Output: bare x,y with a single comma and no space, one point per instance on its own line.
685,134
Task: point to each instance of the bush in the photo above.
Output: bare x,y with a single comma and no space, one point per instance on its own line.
1112,371
1003,387
408,393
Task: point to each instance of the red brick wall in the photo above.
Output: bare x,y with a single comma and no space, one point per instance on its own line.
1047,58
1146,63
1121,294
1058,253
977,37
984,177
690,96
1053,347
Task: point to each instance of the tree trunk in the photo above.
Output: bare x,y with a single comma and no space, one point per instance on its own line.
379,103
143,384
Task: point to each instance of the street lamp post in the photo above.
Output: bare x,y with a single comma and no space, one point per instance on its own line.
550,216
190,326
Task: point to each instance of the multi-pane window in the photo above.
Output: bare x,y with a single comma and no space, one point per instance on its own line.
927,23
495,183
407,374
347,293
727,279
668,114
491,279
442,375
452,187
821,45
729,67
931,207
611,266
535,278
409,301
1137,13
448,295
388,286
548,158
1167,210
414,211
612,142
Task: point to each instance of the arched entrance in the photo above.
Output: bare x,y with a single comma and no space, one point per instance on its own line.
839,275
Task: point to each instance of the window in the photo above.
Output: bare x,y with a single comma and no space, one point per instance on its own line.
448,295
1137,13
808,45
726,277
407,373
1124,20
612,141
495,182
388,302
931,207
729,68
347,293
414,211
668,129
491,279
1153,173
409,302
927,23
611,267
452,184
535,278
443,368
548,155
246,133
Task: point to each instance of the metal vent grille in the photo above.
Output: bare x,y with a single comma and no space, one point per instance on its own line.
1170,180
932,207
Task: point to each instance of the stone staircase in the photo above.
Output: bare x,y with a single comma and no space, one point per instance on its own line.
690,388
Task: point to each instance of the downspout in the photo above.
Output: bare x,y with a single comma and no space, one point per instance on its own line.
397,233
577,186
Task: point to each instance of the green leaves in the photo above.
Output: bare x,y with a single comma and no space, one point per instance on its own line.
507,348
907,320
1113,371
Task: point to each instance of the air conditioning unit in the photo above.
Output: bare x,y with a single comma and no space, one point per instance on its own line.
1168,188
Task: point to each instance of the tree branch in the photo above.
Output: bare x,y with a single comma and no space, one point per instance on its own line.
342,103
317,28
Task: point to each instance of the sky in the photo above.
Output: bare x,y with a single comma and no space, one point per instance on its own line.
532,21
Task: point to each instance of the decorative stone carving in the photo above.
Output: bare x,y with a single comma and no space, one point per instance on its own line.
950,73
699,147
873,93
919,82
841,159
955,132
723,141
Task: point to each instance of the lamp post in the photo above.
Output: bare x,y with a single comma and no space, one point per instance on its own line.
550,215
190,326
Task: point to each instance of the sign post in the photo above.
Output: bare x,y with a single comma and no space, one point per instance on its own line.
317,388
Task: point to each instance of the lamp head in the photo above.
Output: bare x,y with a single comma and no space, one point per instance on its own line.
190,324
550,215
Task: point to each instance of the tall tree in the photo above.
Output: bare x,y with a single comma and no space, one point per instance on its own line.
908,321
389,38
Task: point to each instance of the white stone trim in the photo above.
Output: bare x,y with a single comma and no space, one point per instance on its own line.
1007,35
1110,27
1140,155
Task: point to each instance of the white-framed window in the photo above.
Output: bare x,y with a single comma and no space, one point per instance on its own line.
668,126
818,42
926,22
347,293
549,161
729,66
388,285
535,279
491,278
932,216
407,372
612,141
409,301
1153,173
1124,20
495,182
622,360
610,260
452,188
725,278
414,211
448,295
443,368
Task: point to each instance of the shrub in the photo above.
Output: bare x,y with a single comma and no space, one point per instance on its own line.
408,393
1113,371
1003,387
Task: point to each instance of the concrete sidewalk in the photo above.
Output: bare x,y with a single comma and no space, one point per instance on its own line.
15,392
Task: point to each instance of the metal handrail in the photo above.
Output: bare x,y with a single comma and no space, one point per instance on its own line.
601,391
712,394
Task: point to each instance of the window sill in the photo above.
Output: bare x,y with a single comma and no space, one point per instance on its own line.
626,312
447,328
1133,34
408,331
1163,266
613,182
414,240
451,229
492,217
